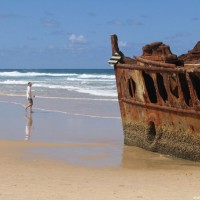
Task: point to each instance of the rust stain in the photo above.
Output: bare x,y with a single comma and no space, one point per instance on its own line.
159,99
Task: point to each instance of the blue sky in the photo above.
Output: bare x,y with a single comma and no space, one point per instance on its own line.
76,33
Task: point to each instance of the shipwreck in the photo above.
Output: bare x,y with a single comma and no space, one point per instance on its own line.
159,99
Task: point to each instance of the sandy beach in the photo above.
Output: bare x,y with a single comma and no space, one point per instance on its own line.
76,154
90,67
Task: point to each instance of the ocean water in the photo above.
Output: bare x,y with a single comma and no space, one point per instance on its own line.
88,83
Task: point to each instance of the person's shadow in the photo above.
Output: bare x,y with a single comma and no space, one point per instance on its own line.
28,126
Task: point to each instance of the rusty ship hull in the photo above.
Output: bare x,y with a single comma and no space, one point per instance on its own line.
159,101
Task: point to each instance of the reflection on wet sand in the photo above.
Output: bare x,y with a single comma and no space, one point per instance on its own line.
137,158
107,155
29,124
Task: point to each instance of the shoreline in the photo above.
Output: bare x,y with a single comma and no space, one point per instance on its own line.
77,106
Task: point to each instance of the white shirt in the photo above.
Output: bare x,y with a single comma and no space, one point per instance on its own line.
29,92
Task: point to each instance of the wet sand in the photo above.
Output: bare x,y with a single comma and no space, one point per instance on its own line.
64,161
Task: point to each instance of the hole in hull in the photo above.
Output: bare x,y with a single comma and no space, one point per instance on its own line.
131,87
161,87
151,132
150,87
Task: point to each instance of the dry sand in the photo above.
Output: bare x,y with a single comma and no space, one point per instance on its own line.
36,177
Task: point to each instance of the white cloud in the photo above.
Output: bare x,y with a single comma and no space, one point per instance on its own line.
77,39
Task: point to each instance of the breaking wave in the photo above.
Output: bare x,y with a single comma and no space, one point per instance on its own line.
91,82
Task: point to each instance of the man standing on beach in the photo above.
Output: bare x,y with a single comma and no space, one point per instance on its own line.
29,97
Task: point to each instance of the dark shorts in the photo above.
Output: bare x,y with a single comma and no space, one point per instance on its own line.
30,100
